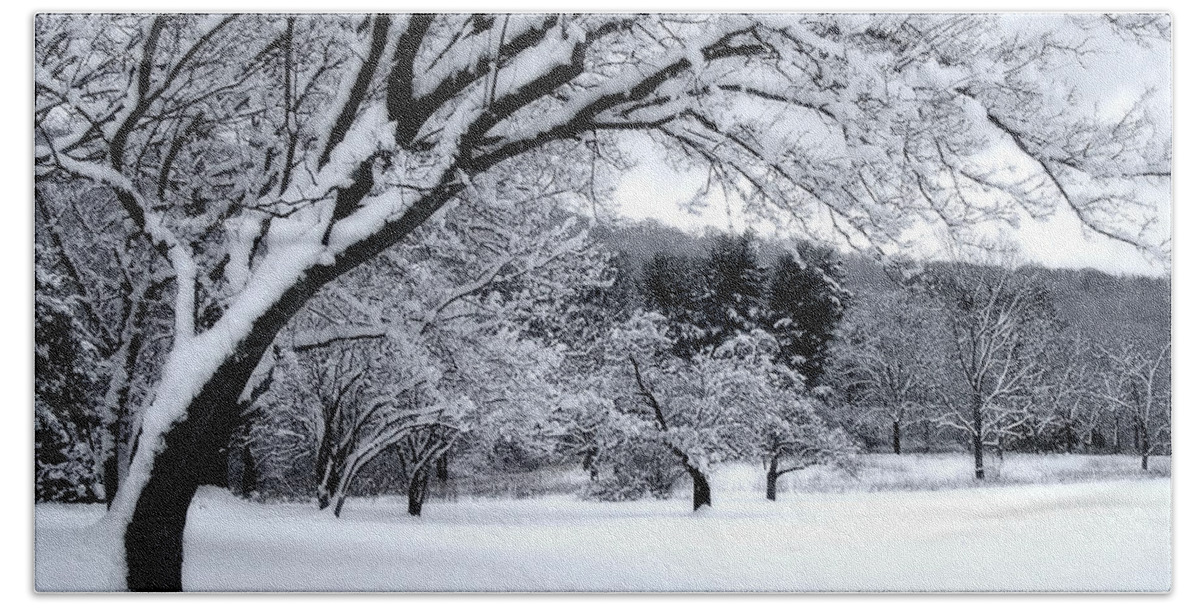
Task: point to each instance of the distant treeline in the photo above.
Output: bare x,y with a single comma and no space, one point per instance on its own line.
1109,308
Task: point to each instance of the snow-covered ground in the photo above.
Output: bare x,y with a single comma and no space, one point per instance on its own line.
1112,535
947,471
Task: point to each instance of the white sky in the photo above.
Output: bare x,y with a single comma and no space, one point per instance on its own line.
1111,82
654,191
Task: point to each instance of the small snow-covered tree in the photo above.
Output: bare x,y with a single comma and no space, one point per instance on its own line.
667,404
420,450
580,427
890,360
1137,381
795,435
687,414
998,320
368,404
1070,411
788,427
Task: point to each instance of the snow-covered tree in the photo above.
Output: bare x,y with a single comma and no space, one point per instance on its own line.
794,435
1137,381
806,303
672,415
477,306
665,404
581,327
85,264
265,156
999,321
1069,410
368,404
789,426
891,360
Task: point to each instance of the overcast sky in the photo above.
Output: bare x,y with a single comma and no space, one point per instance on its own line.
1112,80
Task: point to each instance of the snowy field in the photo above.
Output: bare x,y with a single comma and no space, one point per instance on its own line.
1108,535
948,471
874,472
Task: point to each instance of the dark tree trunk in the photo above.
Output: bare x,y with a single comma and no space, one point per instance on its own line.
589,463
249,471
111,476
1144,445
896,436
977,444
417,487
214,470
701,492
154,539
154,536
329,478
1070,439
337,508
443,468
112,461
772,477
193,447
1116,434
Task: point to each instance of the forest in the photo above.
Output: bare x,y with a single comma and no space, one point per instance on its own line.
671,356
644,354
317,259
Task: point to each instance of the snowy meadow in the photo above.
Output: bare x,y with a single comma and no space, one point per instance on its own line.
1107,530
583,302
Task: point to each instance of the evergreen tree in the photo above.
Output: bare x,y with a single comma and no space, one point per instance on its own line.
674,286
65,404
735,290
806,303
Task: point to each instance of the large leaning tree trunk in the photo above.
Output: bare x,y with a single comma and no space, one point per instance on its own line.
264,156
154,535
